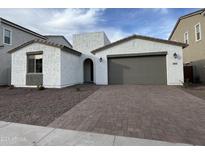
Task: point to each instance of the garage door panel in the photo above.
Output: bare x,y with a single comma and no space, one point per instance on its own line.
137,70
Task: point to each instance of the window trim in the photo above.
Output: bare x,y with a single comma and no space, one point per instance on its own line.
187,37
196,32
4,35
34,53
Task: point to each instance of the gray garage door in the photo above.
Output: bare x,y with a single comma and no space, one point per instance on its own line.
137,70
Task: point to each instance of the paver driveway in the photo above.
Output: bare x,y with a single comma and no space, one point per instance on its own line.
151,112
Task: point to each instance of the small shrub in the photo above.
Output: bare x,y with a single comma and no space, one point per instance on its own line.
197,79
40,87
11,87
187,83
77,89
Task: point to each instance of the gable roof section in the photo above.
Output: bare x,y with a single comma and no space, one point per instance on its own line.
4,21
62,47
184,17
139,37
58,39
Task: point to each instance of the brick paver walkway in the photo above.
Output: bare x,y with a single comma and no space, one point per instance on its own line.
152,112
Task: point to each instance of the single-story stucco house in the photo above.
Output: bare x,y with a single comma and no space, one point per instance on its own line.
93,58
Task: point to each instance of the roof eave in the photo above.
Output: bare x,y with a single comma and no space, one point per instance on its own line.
77,53
21,46
174,29
67,41
184,17
4,21
62,47
183,45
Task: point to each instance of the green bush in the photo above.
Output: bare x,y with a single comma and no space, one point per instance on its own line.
11,87
77,89
40,87
187,83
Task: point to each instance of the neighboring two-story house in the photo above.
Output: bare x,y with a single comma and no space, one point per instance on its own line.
13,35
190,29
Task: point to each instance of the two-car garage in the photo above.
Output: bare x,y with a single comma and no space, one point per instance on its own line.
140,60
137,69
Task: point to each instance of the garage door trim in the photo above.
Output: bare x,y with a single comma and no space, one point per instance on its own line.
122,56
163,53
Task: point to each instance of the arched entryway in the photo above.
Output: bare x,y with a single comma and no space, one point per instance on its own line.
88,70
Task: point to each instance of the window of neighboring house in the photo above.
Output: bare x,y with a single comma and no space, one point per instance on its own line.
198,32
186,37
35,63
7,36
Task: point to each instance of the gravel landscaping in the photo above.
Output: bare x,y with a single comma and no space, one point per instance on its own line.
32,106
198,91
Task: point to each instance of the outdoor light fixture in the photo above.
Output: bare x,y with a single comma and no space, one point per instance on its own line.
100,59
175,55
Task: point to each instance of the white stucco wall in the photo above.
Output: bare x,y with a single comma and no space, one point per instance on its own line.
174,72
86,42
71,69
62,69
51,65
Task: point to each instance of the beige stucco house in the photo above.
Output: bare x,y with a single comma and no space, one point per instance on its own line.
190,29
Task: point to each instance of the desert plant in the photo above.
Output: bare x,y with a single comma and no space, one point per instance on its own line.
197,79
40,87
77,89
187,83
11,87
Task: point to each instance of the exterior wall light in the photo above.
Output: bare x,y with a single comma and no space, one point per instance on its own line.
100,59
175,55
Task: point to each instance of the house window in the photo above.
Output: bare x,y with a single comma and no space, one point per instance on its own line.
7,36
35,63
198,32
186,37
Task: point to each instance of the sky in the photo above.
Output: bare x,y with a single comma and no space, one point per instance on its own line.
116,23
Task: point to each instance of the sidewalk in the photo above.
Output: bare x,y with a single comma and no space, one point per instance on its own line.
22,134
